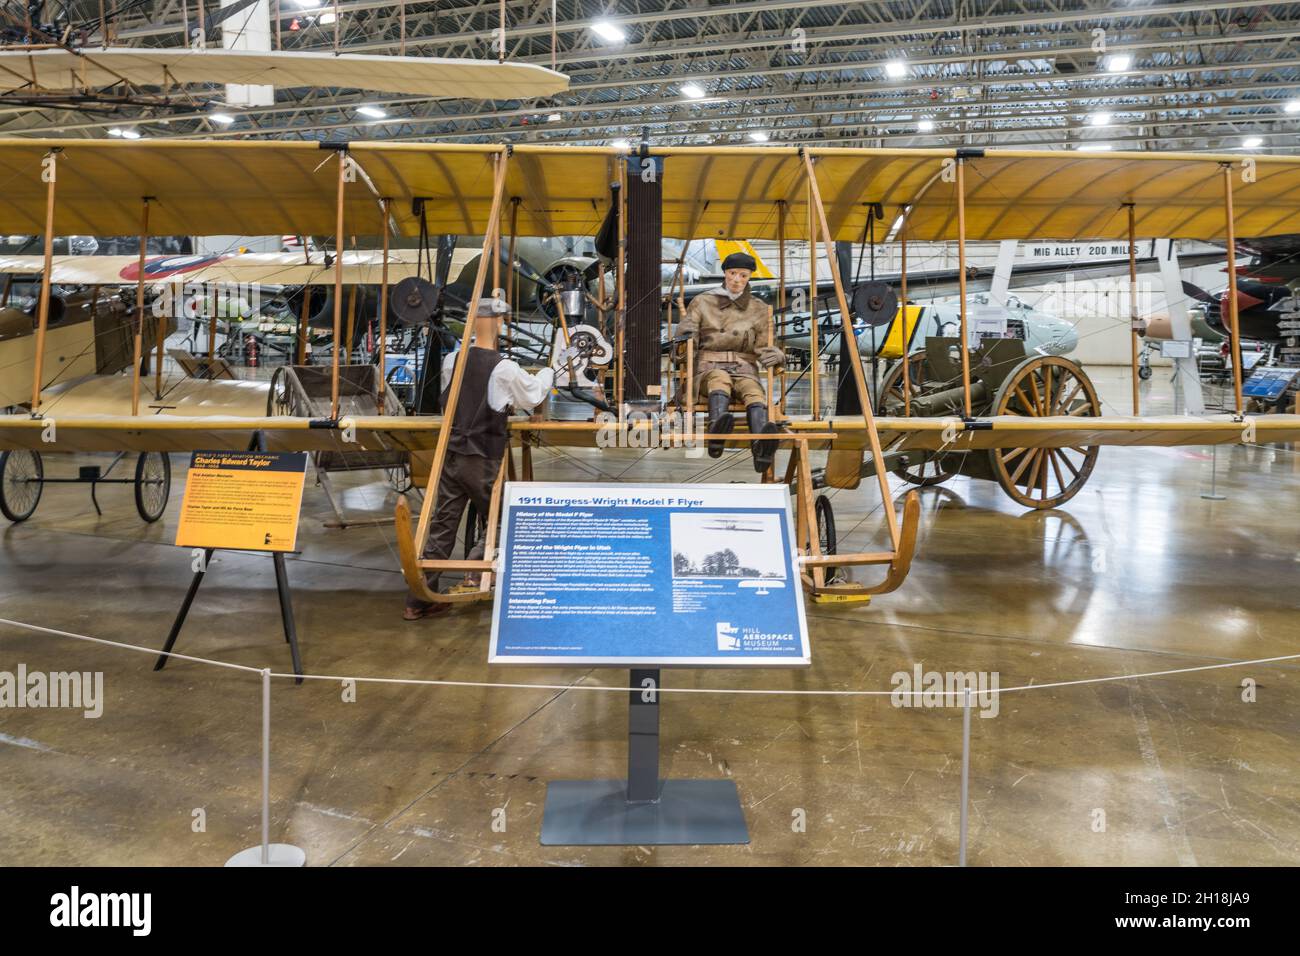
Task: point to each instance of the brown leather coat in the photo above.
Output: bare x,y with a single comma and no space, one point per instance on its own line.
728,332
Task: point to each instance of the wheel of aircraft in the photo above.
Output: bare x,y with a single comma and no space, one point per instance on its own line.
153,484
277,398
399,477
930,469
826,536
1043,386
21,479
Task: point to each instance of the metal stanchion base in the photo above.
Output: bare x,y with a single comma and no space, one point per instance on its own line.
1209,497
278,854
597,813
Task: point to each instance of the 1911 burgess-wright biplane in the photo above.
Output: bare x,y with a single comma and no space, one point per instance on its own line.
787,194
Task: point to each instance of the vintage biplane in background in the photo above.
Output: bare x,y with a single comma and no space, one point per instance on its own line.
785,194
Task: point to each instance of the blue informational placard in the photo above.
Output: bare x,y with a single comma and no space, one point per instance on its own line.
648,576
1268,383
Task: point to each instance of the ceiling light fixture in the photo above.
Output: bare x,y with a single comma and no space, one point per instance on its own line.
609,32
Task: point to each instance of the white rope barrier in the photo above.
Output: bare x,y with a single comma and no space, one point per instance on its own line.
605,688
129,647
267,854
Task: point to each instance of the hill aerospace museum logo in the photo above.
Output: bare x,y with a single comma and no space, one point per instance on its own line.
733,638
75,908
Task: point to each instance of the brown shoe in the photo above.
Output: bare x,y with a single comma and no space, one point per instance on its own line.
416,609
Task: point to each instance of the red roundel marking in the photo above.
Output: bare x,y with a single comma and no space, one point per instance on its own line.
164,267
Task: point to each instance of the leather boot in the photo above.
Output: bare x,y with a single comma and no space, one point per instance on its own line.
721,421
764,451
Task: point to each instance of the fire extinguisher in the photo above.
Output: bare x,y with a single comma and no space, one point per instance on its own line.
250,351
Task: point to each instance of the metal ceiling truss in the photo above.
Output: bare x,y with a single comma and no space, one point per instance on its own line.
1205,75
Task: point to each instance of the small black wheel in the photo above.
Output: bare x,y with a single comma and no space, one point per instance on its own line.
399,476
21,481
826,533
278,401
475,527
1144,372
153,484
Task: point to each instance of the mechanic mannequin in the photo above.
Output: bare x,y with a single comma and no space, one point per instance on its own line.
729,326
491,387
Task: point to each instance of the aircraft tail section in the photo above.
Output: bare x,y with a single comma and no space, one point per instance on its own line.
726,247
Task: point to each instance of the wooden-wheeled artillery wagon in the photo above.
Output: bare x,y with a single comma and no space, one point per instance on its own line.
1004,380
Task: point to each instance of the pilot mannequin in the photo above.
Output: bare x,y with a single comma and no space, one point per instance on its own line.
728,325
490,389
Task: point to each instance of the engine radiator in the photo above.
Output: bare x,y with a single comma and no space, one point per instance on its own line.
643,282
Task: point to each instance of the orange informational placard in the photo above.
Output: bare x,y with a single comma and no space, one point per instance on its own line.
242,500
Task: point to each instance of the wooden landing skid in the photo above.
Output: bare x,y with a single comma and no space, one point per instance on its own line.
813,562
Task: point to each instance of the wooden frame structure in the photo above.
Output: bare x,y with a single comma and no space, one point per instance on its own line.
1153,188
902,535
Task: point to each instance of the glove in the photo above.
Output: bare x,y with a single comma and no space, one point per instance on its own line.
770,356
566,355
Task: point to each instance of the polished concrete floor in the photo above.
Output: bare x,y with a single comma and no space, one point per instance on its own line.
1137,574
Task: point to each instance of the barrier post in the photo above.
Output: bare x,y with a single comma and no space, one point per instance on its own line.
268,853
965,777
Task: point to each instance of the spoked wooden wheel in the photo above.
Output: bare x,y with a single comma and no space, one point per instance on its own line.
153,484
1043,387
890,401
928,468
932,468
21,480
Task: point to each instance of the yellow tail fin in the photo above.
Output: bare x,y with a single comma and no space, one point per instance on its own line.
726,247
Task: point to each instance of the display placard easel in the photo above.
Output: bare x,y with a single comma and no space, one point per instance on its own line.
647,577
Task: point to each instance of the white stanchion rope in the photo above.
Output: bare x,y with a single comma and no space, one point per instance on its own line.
605,688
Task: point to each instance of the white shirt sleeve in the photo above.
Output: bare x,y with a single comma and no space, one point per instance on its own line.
511,387
448,368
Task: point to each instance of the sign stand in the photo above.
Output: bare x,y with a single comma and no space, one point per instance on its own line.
643,810
286,612
257,444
